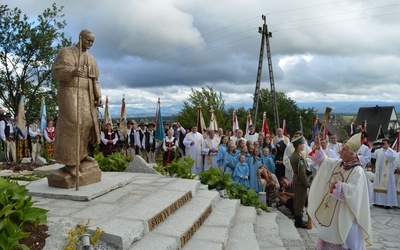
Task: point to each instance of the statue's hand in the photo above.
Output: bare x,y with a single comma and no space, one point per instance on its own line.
79,72
99,103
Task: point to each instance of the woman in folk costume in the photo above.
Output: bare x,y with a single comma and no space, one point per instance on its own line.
49,135
108,140
241,173
230,159
338,199
169,146
254,162
222,150
22,142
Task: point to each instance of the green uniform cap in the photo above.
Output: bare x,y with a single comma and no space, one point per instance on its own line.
297,141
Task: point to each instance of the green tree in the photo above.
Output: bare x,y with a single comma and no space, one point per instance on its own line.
208,99
27,50
288,110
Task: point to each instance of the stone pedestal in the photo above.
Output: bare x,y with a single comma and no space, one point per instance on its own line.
62,178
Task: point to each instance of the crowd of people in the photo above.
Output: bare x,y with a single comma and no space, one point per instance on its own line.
28,142
323,175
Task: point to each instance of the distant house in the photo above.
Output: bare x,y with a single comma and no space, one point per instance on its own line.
336,125
378,118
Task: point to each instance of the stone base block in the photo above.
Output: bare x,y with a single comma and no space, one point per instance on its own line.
62,178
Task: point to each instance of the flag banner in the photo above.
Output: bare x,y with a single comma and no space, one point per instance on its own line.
122,125
21,121
107,115
201,125
213,121
395,145
248,123
265,127
365,134
284,127
43,116
235,123
160,133
326,132
315,130
351,129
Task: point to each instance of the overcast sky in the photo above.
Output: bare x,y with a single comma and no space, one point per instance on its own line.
321,50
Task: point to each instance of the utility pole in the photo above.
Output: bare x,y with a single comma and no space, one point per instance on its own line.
265,41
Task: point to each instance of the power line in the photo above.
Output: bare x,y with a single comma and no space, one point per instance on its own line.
161,59
302,8
339,21
164,57
196,37
337,14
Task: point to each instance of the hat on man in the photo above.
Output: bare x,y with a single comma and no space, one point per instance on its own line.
133,122
142,124
8,114
354,143
151,124
297,141
36,117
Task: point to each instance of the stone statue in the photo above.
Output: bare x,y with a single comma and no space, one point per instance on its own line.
74,67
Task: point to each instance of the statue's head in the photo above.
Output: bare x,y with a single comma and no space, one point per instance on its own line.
86,37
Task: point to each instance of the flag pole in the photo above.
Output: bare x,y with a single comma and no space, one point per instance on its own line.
78,122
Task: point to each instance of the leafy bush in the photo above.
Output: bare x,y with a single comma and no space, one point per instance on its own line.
219,180
15,210
161,169
215,178
248,197
181,168
115,162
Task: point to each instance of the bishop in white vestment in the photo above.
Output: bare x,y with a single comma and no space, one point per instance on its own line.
338,199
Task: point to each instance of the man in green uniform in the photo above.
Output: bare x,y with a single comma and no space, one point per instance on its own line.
300,181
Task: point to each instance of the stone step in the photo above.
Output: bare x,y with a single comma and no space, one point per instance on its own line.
288,232
214,233
178,229
148,206
242,234
267,231
126,213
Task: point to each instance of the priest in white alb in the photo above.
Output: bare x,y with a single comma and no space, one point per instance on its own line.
192,142
384,181
338,199
209,149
